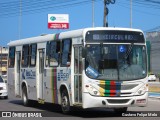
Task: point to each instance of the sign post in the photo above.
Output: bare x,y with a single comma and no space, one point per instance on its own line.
58,21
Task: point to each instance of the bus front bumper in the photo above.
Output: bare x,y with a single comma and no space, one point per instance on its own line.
114,102
3,93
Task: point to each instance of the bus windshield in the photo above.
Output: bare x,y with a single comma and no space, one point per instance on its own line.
115,61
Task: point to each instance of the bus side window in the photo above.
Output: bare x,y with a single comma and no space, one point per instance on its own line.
47,53
11,59
66,52
33,52
54,53
25,56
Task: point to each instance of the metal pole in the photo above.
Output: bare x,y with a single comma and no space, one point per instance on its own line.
92,13
130,13
104,17
20,17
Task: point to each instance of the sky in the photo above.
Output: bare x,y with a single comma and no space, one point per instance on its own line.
34,18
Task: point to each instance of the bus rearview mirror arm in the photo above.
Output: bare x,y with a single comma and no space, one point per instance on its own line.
84,52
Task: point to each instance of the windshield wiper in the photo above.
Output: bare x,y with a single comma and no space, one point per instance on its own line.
122,63
129,51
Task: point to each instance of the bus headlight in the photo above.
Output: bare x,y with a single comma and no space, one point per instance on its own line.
142,90
4,88
92,90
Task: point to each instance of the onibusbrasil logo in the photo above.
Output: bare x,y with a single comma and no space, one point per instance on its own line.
52,18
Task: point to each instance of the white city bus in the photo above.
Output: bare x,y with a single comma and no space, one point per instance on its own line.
87,68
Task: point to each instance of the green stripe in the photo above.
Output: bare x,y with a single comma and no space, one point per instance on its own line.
107,86
107,91
107,95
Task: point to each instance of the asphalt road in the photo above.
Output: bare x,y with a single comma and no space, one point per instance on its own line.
54,111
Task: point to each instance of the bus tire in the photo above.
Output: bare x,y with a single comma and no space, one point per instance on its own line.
25,96
65,104
120,110
5,97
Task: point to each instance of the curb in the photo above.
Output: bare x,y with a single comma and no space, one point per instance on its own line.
154,98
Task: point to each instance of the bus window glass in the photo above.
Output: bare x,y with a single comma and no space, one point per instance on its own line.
78,60
11,57
33,54
25,55
66,52
47,53
54,53
76,57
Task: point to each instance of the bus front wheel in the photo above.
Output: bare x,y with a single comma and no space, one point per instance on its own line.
25,96
65,104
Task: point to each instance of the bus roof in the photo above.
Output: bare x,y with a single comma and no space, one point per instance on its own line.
63,35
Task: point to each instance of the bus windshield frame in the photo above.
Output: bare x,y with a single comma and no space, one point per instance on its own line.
117,56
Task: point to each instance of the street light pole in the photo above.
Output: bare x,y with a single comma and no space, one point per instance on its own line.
92,13
105,14
106,11
130,13
20,17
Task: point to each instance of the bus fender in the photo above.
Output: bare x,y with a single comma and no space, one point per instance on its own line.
24,83
64,86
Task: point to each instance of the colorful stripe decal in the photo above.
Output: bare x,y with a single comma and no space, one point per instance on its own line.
109,88
56,36
52,90
54,85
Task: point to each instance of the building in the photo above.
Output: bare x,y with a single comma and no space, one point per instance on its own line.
3,60
153,43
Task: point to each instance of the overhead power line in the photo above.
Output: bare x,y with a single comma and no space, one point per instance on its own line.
34,6
143,3
126,4
153,29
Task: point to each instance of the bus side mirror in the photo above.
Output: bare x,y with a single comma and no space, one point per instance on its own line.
84,52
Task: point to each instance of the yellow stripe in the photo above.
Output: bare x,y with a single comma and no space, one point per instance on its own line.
102,82
101,90
52,92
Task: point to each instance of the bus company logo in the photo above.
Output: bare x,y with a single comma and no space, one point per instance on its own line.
52,18
28,74
63,75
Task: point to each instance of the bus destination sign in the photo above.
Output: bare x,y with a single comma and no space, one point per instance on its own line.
115,36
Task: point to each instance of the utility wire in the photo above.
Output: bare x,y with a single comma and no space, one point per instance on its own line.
14,11
141,11
153,29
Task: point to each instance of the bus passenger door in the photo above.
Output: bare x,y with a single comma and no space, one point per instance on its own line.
41,75
78,74
17,80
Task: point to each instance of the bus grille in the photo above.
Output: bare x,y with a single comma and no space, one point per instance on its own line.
117,101
128,86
